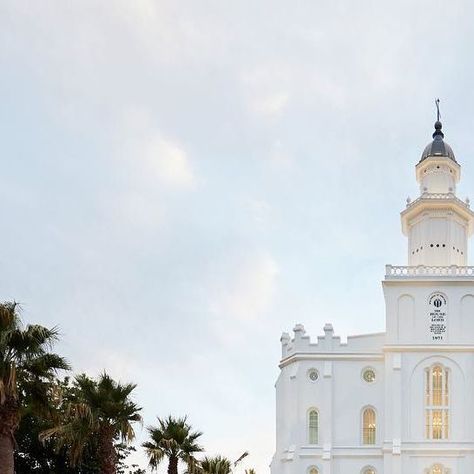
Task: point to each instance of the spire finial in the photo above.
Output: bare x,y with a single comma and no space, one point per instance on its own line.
438,125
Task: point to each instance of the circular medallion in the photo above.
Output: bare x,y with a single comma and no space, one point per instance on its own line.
313,375
368,375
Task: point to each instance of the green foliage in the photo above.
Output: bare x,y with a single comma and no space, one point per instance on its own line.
215,465
123,451
96,412
174,439
220,465
27,371
27,367
35,457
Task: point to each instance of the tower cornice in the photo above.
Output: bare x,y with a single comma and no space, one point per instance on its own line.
432,202
437,161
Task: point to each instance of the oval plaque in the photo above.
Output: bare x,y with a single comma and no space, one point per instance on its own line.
437,312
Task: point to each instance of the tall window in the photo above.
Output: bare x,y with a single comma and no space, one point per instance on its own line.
313,426
368,470
437,403
314,470
369,426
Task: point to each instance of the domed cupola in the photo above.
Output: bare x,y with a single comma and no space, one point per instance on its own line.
438,147
437,223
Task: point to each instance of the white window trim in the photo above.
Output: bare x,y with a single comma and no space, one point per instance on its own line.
308,427
314,467
366,407
428,378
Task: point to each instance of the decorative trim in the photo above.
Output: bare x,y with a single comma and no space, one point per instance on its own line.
296,357
428,348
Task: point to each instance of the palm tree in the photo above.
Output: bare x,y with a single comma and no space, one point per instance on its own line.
219,465
215,465
100,413
27,368
172,438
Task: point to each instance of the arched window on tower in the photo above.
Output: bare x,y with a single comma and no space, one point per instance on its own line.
313,426
369,426
313,470
437,403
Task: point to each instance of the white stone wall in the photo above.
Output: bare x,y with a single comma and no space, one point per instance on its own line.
340,394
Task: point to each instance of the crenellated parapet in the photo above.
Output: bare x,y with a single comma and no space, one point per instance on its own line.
301,342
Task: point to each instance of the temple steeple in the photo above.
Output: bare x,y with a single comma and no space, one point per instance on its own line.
437,223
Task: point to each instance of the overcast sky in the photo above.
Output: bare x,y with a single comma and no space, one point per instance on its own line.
181,181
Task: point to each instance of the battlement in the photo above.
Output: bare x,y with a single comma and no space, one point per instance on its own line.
329,343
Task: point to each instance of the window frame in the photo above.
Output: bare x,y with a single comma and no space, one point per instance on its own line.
364,410
437,403
309,427
310,468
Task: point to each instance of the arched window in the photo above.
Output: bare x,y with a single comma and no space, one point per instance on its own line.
437,402
313,470
313,427
369,427
368,470
437,469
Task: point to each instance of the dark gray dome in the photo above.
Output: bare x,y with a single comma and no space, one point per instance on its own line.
438,147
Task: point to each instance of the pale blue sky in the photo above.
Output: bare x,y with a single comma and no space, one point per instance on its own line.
183,181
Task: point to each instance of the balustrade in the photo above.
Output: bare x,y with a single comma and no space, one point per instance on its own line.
439,196
420,271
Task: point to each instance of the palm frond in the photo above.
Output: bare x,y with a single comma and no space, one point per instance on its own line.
101,409
242,456
172,438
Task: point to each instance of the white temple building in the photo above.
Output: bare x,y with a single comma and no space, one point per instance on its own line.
402,401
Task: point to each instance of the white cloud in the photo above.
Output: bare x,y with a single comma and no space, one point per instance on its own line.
259,210
138,210
279,155
148,156
271,105
250,291
170,162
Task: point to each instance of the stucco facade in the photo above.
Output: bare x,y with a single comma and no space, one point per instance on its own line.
399,402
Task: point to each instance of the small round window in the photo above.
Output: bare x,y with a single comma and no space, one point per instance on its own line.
313,375
368,375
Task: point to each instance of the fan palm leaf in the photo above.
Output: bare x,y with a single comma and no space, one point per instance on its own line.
27,368
174,439
101,412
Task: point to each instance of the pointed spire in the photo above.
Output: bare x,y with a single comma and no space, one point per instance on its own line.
438,125
438,147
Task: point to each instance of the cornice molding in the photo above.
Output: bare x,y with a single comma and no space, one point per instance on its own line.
299,356
428,348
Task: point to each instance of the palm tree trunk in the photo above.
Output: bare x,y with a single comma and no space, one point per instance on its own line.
107,454
6,453
8,425
173,465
